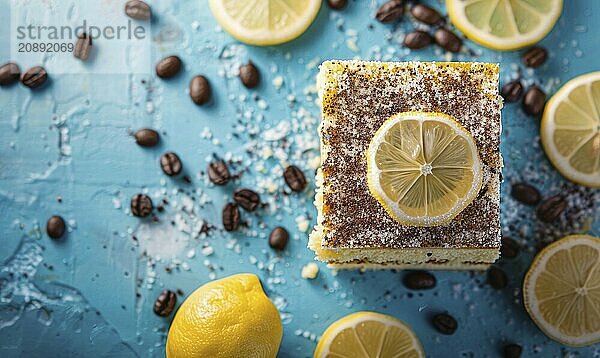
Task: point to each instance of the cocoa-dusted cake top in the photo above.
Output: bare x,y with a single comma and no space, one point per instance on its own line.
357,97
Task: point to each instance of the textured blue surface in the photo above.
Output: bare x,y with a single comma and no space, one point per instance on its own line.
92,293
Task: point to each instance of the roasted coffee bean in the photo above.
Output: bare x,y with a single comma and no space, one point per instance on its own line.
444,323
231,217
390,11
337,4
249,75
165,303
534,101
247,199
425,14
525,193
419,280
34,77
218,173
138,10
146,137
141,205
509,248
447,40
9,74
417,39
168,67
497,278
535,57
551,208
200,90
170,164
278,238
83,47
55,227
512,350
295,179
512,91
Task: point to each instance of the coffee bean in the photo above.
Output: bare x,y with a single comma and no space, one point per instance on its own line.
138,10
249,75
165,303
419,280
231,217
278,238
425,14
83,47
417,39
512,350
55,227
9,74
497,278
34,77
444,323
170,164
218,173
247,199
535,57
141,205
509,248
534,101
295,179
337,4
390,11
146,137
447,40
551,208
168,67
512,91
525,193
200,90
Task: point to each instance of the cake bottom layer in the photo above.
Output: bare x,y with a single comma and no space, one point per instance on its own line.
409,266
411,258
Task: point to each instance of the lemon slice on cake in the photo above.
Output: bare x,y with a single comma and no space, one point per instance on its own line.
265,22
570,130
423,168
369,334
561,290
504,24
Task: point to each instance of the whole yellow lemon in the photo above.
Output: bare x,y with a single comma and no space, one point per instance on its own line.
230,317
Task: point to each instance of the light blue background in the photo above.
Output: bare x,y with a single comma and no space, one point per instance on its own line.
77,297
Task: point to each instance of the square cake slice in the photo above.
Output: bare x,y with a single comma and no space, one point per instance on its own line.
353,230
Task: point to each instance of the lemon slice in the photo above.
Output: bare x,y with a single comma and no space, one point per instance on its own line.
368,335
570,130
561,290
423,168
265,22
504,24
